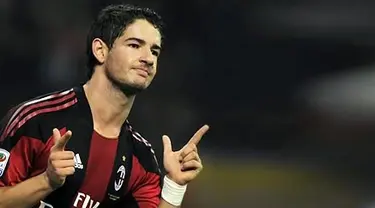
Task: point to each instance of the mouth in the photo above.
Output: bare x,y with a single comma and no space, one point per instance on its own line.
142,72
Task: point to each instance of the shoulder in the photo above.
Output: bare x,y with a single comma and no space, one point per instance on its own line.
143,151
25,117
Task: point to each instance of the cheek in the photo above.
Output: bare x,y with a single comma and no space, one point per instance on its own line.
155,67
153,72
122,59
112,63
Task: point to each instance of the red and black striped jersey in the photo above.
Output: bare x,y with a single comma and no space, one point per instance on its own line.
119,172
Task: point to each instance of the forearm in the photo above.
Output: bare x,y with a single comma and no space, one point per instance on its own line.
164,204
25,194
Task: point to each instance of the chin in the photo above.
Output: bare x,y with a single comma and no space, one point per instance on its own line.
130,88
127,87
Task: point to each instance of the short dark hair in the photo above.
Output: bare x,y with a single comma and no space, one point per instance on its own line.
110,24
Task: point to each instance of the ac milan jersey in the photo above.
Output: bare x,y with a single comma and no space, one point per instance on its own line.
121,172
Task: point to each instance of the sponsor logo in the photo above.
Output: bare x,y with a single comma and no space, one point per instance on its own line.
85,201
44,205
4,157
77,162
82,200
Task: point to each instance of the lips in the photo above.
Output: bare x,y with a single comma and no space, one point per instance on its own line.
142,71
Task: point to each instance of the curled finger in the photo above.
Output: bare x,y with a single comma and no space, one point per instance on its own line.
191,165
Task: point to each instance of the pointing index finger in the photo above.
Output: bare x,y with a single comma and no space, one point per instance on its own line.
60,141
198,135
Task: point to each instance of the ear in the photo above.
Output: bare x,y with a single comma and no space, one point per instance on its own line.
99,49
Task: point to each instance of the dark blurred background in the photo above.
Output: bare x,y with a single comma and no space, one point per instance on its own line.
288,88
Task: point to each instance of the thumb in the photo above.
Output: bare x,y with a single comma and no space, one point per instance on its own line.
60,141
167,144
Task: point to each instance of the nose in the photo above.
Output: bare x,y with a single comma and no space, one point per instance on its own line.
147,58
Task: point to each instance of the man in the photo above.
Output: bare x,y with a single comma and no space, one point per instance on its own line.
75,148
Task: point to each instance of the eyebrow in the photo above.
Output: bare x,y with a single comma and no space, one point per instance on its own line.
154,46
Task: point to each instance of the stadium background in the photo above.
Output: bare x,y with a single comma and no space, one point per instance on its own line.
288,88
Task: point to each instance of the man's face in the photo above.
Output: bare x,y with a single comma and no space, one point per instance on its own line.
131,63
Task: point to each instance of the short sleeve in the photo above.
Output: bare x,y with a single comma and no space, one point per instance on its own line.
147,192
19,144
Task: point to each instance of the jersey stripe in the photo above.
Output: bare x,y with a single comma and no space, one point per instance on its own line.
41,111
137,136
37,100
140,138
35,106
25,112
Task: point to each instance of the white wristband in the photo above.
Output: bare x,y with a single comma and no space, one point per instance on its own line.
172,192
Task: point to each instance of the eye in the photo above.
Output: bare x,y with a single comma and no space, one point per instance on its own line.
133,45
155,53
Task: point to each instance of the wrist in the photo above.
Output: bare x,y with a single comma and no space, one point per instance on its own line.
45,182
172,192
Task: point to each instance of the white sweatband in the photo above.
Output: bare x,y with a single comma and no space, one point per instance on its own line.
172,192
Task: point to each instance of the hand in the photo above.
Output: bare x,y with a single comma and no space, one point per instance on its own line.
184,165
60,162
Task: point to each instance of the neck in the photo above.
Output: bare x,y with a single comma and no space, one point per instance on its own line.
109,106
